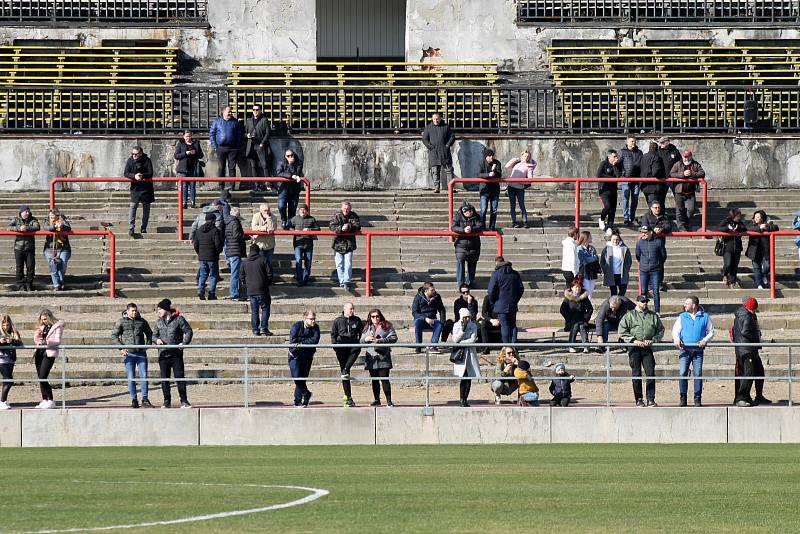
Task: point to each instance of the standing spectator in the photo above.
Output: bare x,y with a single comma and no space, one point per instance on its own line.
468,226
291,168
257,149
684,192
748,362
732,247
506,364
615,263
49,332
9,340
264,221
172,328
344,222
651,255
576,309
257,279
528,390
657,220
378,361
561,386
57,250
426,305
302,333
133,329
642,327
631,158
489,325
588,262
226,137
758,248
438,138
25,247
346,329
492,170
569,255
611,167
139,169
208,245
216,210
653,167
609,314
505,291
235,250
693,327
521,167
465,331
303,245
189,154
669,154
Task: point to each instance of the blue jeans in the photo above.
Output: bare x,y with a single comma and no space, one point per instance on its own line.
259,312
421,324
652,281
57,268
489,202
267,253
189,190
344,267
235,264
471,266
302,267
134,360
209,271
695,358
287,206
508,327
531,398
630,199
517,195
300,368
761,271
606,330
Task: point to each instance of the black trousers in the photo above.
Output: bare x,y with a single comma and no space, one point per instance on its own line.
26,266
226,157
638,358
172,365
609,200
347,358
568,277
618,288
43,365
463,388
260,163
488,334
7,372
750,365
730,265
558,400
376,386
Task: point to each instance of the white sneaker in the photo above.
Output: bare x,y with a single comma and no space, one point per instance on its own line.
766,281
601,224
609,231
497,399
586,351
43,405
51,404
760,287
4,406
572,350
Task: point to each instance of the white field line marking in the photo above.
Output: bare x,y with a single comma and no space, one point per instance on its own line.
315,494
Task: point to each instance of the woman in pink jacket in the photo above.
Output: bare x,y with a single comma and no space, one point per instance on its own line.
521,167
49,333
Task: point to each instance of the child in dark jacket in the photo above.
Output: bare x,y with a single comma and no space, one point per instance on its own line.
560,386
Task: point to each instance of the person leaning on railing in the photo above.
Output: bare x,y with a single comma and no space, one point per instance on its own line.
57,250
25,247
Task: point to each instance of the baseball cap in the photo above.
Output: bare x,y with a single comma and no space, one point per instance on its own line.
642,298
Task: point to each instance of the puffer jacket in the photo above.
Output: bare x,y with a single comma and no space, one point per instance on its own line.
52,339
653,167
187,163
229,134
256,274
493,187
746,330
467,245
631,162
576,309
298,222
588,262
24,242
561,386
347,329
201,220
129,331
208,242
173,330
344,243
423,308
235,245
651,255
732,243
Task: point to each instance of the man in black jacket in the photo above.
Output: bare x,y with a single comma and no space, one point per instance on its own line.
188,154
505,291
426,305
489,325
748,362
345,221
235,250
611,167
172,329
346,329
438,138
257,149
139,169
257,277
468,226
490,169
669,154
208,245
631,158
25,247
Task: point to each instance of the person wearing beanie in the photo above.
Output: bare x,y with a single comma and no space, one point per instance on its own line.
172,329
465,359
528,390
561,386
491,169
207,244
25,247
468,226
690,333
438,138
748,362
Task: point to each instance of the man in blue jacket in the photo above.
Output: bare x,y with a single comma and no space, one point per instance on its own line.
226,137
631,158
305,332
427,303
693,327
651,255
504,292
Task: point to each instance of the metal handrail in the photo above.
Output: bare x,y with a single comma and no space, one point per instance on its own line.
151,11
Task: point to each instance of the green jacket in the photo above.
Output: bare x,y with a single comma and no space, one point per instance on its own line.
129,331
638,326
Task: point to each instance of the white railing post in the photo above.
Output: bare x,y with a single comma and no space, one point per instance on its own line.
63,379
246,378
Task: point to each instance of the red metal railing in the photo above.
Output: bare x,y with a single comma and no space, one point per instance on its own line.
577,182
772,266
178,180
369,234
112,240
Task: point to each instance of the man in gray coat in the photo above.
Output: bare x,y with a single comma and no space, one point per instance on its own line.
438,138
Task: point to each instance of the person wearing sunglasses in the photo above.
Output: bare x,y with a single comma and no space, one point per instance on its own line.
257,149
378,360
139,170
291,168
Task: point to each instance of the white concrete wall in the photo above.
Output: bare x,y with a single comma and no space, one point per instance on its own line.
750,426
11,428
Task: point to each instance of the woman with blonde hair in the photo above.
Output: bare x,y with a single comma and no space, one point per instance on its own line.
507,362
49,333
521,167
57,249
9,339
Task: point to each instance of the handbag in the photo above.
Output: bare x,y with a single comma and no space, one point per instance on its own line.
719,247
458,355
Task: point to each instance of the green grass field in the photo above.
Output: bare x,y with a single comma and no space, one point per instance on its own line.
515,488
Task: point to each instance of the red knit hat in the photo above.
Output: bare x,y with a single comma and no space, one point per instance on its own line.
751,304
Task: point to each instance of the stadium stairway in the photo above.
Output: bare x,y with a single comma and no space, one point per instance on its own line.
156,266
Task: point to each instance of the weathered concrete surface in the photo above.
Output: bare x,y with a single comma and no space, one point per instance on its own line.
279,426
401,426
637,425
103,427
764,425
365,164
11,428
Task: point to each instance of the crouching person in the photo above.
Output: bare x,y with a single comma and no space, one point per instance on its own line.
172,329
133,329
507,362
561,386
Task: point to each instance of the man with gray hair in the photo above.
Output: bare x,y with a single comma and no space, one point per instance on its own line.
609,315
226,137
235,250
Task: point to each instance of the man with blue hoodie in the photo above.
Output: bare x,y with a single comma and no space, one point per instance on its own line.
226,137
690,333
427,303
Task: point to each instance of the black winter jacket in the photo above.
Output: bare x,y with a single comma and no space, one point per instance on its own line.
505,289
422,308
669,157
235,245
653,167
24,242
8,349
653,222
575,309
287,170
607,170
438,140
467,245
344,243
187,163
490,188
561,387
172,331
260,130
631,162
141,190
732,243
746,330
256,275
758,247
346,329
301,336
651,255
208,242
129,331
460,303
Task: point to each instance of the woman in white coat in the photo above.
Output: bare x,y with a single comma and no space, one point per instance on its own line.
466,331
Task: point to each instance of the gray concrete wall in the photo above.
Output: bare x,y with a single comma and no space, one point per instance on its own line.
366,164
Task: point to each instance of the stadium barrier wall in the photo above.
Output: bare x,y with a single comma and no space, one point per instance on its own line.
396,426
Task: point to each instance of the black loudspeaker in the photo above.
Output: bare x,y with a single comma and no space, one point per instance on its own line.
750,112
